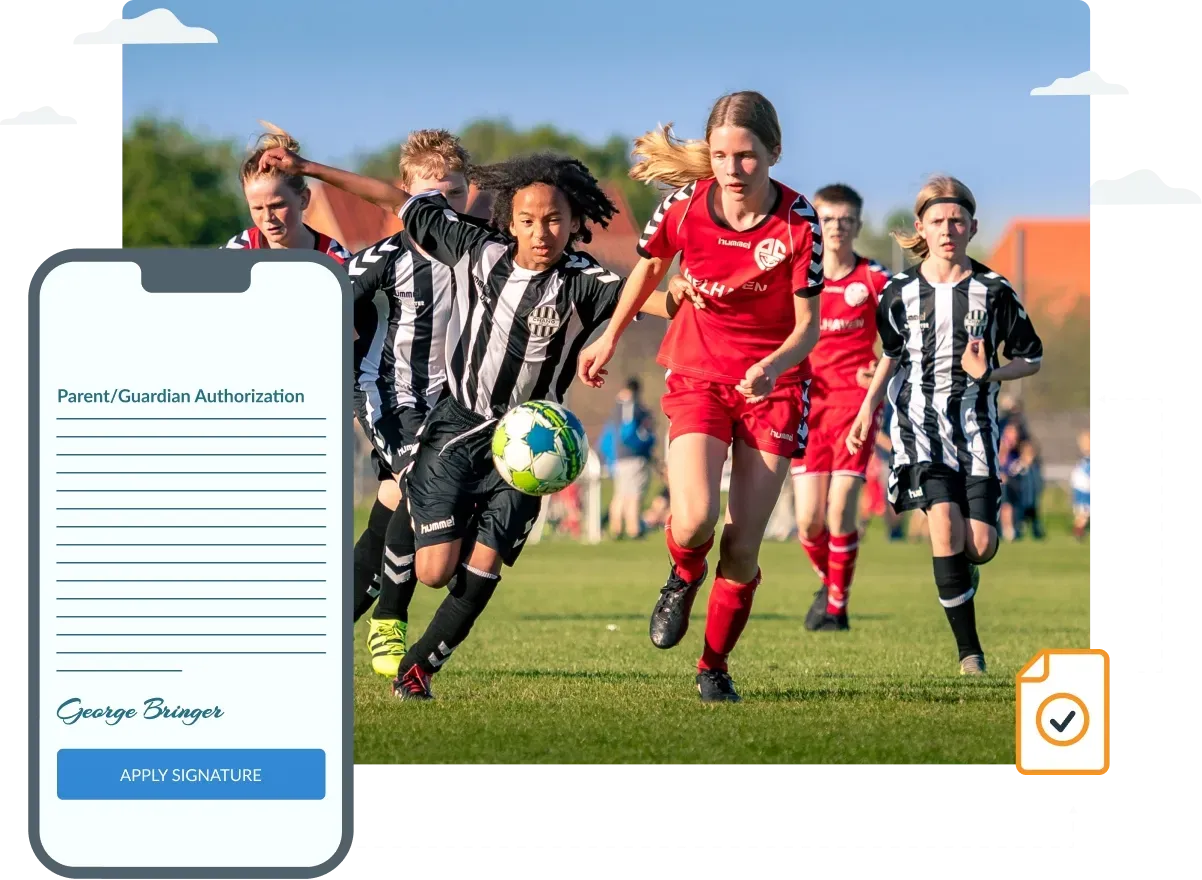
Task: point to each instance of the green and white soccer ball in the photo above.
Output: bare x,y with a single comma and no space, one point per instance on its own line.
539,447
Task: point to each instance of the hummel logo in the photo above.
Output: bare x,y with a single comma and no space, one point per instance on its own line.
730,242
426,528
915,493
779,436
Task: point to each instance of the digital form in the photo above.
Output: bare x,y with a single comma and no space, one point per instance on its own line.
193,517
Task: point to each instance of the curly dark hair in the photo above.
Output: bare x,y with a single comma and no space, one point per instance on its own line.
570,176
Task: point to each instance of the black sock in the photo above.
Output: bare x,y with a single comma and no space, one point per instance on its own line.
468,595
954,580
396,577
369,550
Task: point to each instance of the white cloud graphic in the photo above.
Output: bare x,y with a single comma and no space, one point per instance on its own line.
1140,188
156,26
1088,83
41,116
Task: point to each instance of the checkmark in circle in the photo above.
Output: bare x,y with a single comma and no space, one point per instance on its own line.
1065,707
1060,725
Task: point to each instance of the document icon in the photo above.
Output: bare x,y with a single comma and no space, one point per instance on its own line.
1062,713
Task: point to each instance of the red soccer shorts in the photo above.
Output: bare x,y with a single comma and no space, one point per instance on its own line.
827,450
777,424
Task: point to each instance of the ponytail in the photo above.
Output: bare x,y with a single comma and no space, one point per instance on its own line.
940,187
669,160
274,138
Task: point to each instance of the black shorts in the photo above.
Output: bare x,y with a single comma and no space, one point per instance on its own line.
454,489
393,438
918,486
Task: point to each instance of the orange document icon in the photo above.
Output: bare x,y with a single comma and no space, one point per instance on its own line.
1062,713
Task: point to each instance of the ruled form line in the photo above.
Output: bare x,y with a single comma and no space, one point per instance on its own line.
138,559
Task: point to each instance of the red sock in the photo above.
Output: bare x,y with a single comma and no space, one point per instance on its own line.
843,551
817,551
689,561
729,608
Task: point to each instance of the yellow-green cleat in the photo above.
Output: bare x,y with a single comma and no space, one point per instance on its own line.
386,644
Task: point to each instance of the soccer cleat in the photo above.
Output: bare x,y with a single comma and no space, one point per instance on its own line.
670,619
386,643
973,664
817,619
413,685
715,686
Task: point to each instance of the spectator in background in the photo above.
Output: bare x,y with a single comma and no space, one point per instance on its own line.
1011,476
1032,488
1080,486
633,440
656,514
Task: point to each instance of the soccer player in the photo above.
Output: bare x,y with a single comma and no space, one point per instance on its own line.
752,249
942,324
277,202
1079,482
402,301
827,482
525,305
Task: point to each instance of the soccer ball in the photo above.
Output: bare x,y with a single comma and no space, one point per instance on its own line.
539,447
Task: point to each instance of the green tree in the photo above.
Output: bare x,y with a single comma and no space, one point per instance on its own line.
178,190
491,140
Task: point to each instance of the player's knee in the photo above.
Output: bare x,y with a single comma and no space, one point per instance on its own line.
435,569
982,548
389,494
810,528
693,526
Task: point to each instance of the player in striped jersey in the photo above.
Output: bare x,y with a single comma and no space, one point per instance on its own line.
277,203
942,324
401,305
525,304
827,482
738,377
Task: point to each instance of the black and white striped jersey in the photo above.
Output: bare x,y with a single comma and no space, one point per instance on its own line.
402,301
513,334
941,415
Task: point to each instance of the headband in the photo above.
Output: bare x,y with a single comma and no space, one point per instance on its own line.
947,200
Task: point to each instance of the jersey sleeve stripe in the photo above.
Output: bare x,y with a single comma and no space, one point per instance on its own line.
660,211
804,210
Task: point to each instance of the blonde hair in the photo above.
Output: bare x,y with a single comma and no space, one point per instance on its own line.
939,186
274,138
434,152
667,159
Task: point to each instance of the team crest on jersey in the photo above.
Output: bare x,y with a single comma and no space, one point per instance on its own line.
769,253
856,294
543,321
974,323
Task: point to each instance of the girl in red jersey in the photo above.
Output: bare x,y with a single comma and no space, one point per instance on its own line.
277,203
752,250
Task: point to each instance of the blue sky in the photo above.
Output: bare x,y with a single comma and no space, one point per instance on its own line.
875,93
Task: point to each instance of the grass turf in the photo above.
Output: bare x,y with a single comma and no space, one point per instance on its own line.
559,669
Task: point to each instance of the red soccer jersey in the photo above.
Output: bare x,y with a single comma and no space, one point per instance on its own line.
253,238
750,278
848,334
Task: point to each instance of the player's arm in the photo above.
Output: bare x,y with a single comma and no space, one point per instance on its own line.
439,231
637,294
1021,345
387,196
892,328
807,280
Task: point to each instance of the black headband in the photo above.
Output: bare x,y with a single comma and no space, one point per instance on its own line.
947,200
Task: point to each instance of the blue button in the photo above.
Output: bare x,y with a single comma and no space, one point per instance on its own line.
191,774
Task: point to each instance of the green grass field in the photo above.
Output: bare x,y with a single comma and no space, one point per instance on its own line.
559,669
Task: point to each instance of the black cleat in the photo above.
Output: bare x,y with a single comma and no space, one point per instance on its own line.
817,612
413,684
817,618
670,619
830,623
715,686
